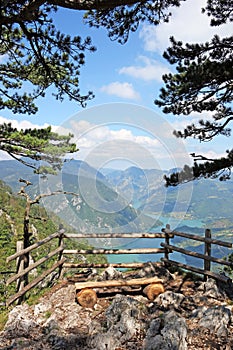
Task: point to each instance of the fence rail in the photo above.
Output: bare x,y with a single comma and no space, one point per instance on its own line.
206,257
115,251
166,249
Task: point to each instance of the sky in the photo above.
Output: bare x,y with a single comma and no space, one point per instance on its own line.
121,126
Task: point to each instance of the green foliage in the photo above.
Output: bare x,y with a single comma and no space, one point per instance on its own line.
229,269
220,11
202,83
42,224
44,147
218,168
38,54
120,20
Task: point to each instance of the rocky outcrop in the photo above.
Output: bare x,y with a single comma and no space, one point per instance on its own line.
217,319
166,333
124,321
188,315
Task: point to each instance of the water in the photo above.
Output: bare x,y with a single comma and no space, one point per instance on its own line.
154,243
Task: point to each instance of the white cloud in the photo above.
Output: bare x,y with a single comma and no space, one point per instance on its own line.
100,134
150,70
123,90
25,124
22,124
187,24
101,144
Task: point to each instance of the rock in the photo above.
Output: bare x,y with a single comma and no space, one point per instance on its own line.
103,341
110,274
59,297
41,308
57,322
166,333
170,300
212,289
152,269
21,322
216,319
122,308
122,323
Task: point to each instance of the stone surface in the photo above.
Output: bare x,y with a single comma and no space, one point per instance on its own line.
212,289
110,274
216,319
181,318
152,270
170,299
122,324
21,322
166,333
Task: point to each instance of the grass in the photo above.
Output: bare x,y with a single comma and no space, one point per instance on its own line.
3,318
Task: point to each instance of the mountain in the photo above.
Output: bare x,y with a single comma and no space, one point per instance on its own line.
12,171
207,199
125,200
81,168
130,200
96,206
136,184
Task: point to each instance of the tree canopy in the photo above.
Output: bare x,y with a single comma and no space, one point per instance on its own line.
38,54
203,83
40,149
34,53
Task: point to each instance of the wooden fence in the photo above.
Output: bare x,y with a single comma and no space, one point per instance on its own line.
206,256
166,249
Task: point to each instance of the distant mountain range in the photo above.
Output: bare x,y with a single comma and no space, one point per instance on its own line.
130,200
96,207
206,199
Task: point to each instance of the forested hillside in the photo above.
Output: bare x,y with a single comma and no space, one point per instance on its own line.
42,224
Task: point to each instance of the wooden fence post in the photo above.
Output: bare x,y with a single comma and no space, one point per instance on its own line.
167,231
60,256
207,263
20,268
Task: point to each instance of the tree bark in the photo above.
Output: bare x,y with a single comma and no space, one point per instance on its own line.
87,298
29,12
93,4
118,283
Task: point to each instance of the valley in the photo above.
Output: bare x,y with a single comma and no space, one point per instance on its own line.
131,200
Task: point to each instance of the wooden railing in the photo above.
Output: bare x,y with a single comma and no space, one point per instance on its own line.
206,256
166,249
112,251
22,289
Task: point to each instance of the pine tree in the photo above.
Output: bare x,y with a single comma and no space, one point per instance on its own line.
203,83
40,149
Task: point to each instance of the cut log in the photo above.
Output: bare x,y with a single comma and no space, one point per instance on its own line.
117,283
87,298
153,290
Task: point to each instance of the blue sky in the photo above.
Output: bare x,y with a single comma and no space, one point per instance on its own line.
125,76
